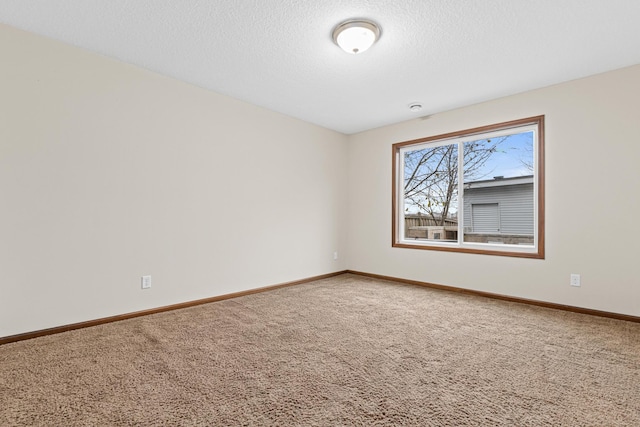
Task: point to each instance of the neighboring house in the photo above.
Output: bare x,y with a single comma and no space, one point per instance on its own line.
499,210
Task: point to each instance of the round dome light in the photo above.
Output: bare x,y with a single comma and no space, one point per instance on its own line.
356,36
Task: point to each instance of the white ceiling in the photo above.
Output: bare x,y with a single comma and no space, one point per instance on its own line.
279,53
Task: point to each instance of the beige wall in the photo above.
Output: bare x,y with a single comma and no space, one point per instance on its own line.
109,172
592,178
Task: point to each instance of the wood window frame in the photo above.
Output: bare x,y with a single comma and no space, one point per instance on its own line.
539,249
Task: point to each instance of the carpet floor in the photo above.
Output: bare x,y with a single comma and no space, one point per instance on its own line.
344,351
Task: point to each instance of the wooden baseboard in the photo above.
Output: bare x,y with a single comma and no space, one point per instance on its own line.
552,305
96,322
104,320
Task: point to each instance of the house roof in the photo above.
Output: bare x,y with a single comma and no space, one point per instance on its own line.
279,54
499,182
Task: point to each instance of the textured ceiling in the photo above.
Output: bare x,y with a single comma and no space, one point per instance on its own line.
279,54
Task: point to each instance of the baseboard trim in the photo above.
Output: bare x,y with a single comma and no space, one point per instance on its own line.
105,320
545,304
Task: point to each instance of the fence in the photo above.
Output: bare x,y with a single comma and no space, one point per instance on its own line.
426,227
414,220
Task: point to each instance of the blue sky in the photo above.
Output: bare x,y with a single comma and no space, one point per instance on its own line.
510,158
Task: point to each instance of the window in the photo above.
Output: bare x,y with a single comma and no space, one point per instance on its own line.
479,191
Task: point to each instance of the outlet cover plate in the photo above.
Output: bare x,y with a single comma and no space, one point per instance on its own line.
146,282
575,280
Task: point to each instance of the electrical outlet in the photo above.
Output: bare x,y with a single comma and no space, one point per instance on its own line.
574,280
335,255
146,282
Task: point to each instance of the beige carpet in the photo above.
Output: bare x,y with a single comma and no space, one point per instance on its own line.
337,352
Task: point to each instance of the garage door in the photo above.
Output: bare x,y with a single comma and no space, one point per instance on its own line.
486,217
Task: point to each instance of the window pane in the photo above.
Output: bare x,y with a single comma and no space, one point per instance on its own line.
477,191
498,190
431,193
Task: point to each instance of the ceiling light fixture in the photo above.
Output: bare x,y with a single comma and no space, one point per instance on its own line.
356,35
